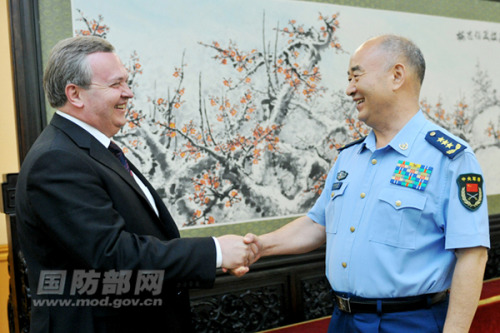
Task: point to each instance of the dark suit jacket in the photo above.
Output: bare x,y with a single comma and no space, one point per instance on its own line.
78,209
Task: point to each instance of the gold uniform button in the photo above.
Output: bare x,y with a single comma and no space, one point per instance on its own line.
374,161
398,203
344,264
363,195
353,229
333,194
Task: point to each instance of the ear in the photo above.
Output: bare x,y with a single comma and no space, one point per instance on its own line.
74,95
398,75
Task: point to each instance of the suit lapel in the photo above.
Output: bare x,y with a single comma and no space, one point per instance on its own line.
98,152
166,219
102,155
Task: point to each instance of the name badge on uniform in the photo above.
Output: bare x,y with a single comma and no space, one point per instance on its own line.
336,186
470,190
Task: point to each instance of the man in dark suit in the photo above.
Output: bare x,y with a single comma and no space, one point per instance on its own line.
102,251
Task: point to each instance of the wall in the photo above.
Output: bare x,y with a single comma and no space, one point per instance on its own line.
9,161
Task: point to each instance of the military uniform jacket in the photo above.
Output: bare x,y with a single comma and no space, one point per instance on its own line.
394,215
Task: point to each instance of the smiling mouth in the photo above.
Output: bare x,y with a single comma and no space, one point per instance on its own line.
121,106
359,101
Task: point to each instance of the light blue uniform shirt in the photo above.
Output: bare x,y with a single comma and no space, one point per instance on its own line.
388,240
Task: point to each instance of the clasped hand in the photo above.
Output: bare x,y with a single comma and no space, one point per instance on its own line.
238,253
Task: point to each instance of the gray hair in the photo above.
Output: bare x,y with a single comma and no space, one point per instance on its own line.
397,46
68,63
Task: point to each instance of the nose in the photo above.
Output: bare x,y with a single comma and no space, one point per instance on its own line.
351,88
127,92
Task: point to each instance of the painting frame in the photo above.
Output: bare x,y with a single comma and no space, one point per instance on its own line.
30,46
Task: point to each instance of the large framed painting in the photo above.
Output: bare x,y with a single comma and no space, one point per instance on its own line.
239,106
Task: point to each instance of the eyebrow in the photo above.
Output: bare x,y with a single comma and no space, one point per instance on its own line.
353,69
118,79
121,78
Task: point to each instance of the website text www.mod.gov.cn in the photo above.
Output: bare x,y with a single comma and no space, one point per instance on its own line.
104,302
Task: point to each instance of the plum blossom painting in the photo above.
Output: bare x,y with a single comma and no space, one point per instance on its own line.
239,105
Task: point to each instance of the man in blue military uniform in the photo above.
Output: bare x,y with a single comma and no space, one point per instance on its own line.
403,211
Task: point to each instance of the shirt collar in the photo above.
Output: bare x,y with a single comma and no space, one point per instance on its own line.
370,143
99,136
403,141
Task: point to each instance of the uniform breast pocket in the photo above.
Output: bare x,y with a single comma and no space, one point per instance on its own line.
333,210
397,217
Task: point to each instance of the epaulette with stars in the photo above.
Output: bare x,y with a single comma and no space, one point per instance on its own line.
444,143
347,145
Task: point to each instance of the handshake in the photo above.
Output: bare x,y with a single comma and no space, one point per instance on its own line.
238,253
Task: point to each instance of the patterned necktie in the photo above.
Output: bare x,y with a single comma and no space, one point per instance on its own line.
113,147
